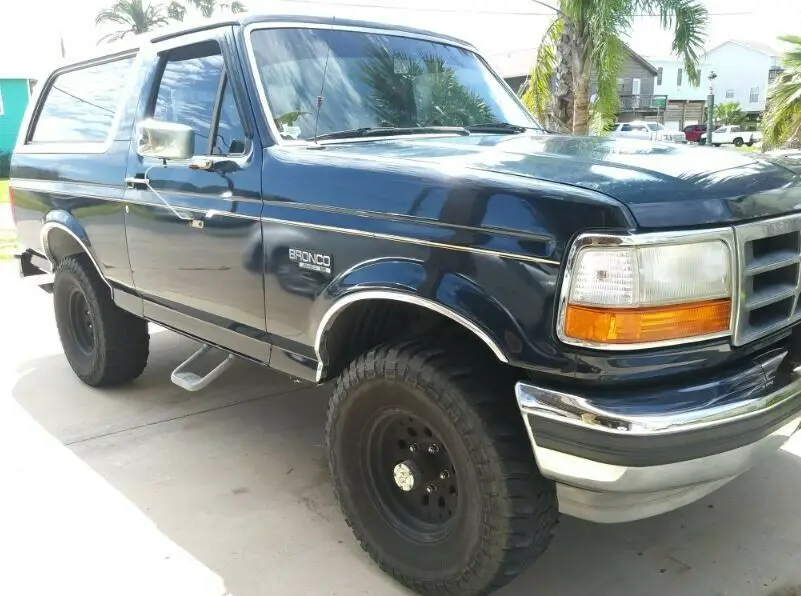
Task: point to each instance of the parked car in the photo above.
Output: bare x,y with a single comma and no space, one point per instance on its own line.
733,135
693,132
515,324
652,131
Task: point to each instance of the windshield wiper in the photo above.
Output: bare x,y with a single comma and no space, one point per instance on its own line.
388,131
499,127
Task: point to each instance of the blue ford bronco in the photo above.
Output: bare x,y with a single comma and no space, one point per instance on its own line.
515,324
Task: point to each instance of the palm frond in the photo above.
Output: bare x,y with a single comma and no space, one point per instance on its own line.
206,7
792,59
111,15
782,122
689,17
537,96
176,11
134,16
607,61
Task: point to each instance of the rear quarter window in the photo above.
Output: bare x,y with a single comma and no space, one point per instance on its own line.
80,104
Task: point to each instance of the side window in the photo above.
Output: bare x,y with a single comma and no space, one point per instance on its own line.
642,129
230,138
80,105
626,128
192,83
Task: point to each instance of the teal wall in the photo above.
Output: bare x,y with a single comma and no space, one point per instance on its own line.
15,100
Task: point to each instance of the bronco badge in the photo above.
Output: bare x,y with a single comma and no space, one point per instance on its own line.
314,261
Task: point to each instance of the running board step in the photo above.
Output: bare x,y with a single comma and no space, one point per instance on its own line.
194,382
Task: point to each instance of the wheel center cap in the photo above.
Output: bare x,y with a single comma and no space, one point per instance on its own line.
407,475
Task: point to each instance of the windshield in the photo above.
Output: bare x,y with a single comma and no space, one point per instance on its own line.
655,126
374,80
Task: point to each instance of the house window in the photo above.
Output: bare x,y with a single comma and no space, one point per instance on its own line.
773,74
729,93
659,76
635,86
620,85
754,98
678,77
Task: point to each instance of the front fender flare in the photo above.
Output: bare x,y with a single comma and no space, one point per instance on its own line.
407,280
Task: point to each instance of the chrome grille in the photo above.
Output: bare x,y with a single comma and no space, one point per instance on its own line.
769,257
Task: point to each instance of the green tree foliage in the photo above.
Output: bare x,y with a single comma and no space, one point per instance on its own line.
587,38
729,112
782,121
133,17
419,91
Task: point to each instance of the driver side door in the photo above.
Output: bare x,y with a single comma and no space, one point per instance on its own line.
193,233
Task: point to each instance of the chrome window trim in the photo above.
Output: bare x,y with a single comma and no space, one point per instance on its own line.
251,56
611,241
340,304
24,145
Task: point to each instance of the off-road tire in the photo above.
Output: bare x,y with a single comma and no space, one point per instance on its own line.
116,343
507,510
738,142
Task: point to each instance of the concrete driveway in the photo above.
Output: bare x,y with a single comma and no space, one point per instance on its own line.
152,490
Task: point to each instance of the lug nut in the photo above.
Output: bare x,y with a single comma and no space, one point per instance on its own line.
431,489
413,447
434,449
444,475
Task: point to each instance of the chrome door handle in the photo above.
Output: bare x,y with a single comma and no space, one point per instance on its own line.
132,181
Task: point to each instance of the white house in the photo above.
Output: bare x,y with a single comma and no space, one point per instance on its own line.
744,71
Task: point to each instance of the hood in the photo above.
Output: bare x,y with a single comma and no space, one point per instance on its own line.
663,185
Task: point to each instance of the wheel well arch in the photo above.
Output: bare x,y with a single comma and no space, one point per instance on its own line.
365,319
59,242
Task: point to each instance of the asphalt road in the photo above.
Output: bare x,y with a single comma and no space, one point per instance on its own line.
149,489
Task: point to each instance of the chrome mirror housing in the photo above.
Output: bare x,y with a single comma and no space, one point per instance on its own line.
164,140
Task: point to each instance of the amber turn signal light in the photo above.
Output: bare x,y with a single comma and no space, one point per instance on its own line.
652,324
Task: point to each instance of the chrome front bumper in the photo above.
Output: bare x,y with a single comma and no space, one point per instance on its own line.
618,458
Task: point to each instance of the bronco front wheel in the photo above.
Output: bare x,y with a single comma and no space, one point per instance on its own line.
434,472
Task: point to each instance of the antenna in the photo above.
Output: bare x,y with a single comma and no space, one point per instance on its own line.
322,85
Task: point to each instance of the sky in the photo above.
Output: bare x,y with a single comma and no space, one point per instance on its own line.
30,35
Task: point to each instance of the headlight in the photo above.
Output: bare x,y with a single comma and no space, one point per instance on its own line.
632,292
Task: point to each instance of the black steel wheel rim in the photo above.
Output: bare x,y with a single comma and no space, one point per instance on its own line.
426,511
81,323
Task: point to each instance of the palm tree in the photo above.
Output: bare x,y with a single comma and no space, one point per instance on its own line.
782,120
390,76
585,37
133,16
137,17
729,112
208,7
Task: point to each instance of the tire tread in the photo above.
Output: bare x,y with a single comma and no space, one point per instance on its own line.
122,340
491,426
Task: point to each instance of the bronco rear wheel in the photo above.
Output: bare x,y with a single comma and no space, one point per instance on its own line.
104,344
433,469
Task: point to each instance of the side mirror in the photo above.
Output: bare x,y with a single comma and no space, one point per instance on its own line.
164,140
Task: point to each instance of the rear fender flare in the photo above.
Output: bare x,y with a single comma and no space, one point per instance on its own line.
62,226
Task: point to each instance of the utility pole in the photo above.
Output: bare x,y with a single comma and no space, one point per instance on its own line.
710,102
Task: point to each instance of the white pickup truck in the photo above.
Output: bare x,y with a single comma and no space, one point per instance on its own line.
733,135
